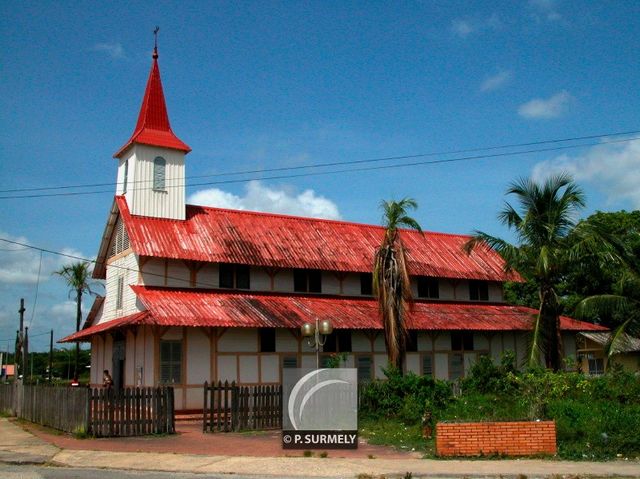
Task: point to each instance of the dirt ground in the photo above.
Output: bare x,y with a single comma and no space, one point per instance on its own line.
190,439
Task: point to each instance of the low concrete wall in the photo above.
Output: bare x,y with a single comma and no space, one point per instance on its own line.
518,438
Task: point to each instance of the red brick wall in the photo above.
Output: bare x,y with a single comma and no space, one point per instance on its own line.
518,438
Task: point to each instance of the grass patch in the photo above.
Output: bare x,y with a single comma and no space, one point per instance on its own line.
394,432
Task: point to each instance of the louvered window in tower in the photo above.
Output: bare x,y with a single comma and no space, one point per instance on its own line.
159,167
120,241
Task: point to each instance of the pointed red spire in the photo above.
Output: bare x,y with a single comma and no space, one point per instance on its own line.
153,126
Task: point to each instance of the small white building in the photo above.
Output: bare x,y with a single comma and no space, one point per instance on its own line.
197,294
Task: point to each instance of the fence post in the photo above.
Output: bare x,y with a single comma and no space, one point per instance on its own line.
204,409
88,411
235,424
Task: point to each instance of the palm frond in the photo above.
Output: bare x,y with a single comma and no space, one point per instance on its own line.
602,305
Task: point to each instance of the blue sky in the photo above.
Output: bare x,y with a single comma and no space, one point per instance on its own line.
253,85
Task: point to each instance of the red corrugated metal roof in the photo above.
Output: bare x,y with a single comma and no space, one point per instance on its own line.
263,239
215,308
153,126
131,320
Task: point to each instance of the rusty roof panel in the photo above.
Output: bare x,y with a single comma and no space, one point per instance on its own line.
200,307
215,308
262,239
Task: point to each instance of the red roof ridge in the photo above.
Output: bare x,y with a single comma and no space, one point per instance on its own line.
153,127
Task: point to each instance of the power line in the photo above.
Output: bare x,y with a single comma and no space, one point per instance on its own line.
337,163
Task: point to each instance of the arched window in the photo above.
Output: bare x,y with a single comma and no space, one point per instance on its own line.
159,166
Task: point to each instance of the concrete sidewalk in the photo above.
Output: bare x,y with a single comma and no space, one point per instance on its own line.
17,445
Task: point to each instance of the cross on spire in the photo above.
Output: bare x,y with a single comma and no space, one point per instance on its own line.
155,43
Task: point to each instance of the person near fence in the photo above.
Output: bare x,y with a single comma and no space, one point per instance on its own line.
107,380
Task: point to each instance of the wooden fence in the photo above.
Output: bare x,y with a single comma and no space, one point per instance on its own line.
99,412
228,407
63,408
131,412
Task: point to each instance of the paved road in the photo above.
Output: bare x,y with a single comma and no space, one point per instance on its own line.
8,471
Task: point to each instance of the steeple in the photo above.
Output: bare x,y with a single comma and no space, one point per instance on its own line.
153,126
151,164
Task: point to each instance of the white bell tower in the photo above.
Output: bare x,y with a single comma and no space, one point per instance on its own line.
151,164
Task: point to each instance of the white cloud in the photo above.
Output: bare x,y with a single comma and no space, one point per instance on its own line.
262,198
114,50
20,264
613,168
545,8
464,27
496,81
541,108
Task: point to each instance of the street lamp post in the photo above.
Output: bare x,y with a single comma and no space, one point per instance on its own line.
316,335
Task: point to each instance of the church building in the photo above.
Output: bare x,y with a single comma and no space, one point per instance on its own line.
197,294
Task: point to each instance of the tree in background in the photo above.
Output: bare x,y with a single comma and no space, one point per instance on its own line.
78,278
610,293
543,226
391,282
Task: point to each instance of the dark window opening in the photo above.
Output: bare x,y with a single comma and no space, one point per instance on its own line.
234,276
331,343
289,362
596,366
427,365
364,363
344,341
478,291
462,341
428,287
170,362
456,366
366,284
267,340
412,341
307,280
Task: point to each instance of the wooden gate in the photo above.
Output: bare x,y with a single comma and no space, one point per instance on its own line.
229,407
131,412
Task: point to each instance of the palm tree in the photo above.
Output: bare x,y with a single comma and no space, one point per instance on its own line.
391,282
547,215
78,278
625,303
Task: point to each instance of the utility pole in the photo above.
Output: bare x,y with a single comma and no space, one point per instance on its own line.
50,355
25,353
19,356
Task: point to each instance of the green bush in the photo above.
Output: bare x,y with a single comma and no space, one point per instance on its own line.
596,417
406,397
487,377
